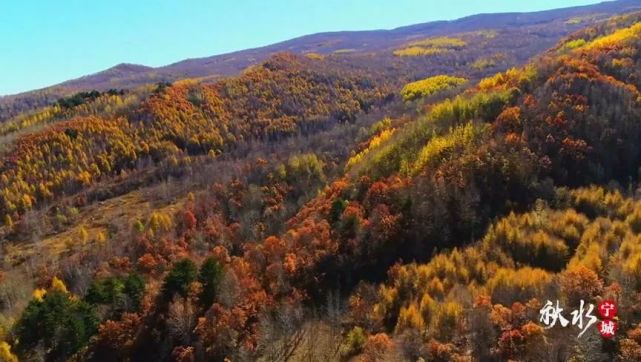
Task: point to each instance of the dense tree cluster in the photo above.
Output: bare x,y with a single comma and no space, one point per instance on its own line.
279,98
431,46
429,86
552,253
443,237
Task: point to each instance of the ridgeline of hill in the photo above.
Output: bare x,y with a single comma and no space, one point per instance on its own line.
515,38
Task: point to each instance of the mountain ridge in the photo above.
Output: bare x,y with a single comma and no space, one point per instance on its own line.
215,65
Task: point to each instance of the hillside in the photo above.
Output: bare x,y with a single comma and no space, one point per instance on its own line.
420,199
503,179
516,37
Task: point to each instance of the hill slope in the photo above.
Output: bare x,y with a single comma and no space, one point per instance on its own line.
506,164
550,25
521,36
312,208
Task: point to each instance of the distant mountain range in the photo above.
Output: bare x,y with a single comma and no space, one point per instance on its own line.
549,26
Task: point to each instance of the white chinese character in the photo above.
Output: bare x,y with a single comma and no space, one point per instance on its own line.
577,318
550,314
606,308
607,328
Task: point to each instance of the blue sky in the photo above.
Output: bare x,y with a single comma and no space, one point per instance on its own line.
44,42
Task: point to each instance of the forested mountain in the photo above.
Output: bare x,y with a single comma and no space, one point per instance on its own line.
512,39
419,198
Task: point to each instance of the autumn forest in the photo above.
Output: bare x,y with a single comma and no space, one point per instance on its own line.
419,198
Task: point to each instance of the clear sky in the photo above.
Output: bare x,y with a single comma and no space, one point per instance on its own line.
44,42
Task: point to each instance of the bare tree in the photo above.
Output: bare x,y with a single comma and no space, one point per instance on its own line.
181,320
